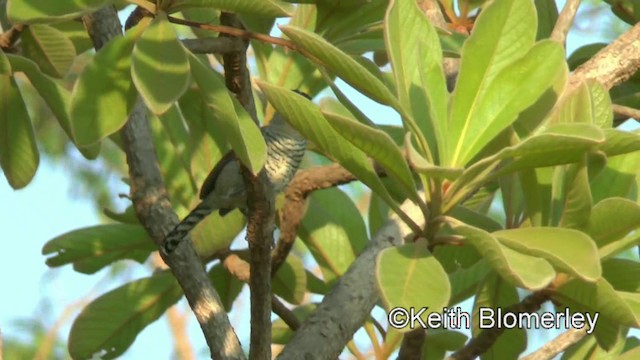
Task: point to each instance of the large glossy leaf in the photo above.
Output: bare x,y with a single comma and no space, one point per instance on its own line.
334,232
599,297
227,286
568,250
503,33
108,328
290,282
464,282
589,103
104,95
5,65
410,277
91,249
622,274
577,201
416,57
522,270
611,219
38,11
242,133
56,96
618,179
441,341
267,8
19,157
377,144
159,66
49,48
513,89
341,64
620,142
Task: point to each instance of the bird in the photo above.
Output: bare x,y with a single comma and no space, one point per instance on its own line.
224,188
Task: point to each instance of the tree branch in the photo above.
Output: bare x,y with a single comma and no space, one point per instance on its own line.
565,20
558,345
155,214
626,112
221,45
613,64
304,183
488,337
346,307
260,200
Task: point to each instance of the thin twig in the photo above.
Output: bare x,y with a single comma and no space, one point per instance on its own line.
627,112
212,45
284,313
153,209
565,20
9,37
557,345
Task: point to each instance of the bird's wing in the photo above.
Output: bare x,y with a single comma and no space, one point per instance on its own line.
210,182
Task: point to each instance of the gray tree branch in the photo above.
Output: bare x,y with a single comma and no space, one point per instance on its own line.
345,308
156,215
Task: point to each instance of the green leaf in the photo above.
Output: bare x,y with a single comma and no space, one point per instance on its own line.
503,32
568,250
56,96
620,142
513,89
547,17
622,274
159,66
242,133
416,57
529,272
290,282
104,95
334,232
91,249
266,8
555,145
227,286
19,157
215,232
464,282
494,293
589,103
75,31
441,341
341,64
410,277
377,144
38,11
598,297
577,196
378,214
5,65
611,219
107,327
305,117
618,179
49,48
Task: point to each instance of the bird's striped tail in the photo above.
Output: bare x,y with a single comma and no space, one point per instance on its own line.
172,240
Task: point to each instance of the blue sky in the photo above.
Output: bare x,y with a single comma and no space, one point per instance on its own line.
46,208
